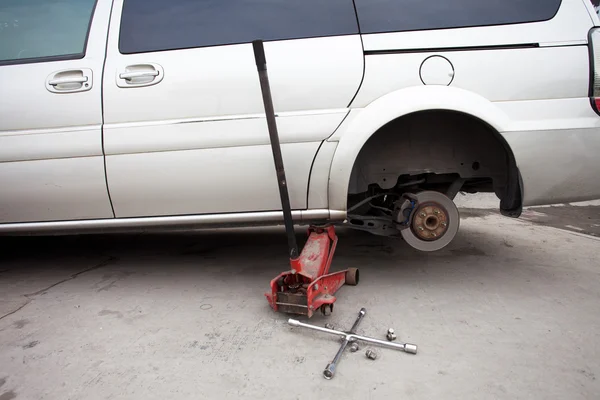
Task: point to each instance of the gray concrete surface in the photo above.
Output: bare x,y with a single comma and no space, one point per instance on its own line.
510,310
582,217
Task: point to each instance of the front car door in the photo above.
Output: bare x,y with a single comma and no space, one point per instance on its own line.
184,125
51,161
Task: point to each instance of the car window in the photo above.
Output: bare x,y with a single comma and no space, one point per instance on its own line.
408,15
32,29
155,25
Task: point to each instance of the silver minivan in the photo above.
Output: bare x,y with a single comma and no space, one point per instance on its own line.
141,114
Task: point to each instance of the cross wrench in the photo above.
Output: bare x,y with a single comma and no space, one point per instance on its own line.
330,369
351,336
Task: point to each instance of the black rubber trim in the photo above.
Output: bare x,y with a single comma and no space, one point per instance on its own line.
463,48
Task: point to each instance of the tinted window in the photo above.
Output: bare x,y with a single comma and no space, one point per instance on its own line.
43,28
154,25
408,15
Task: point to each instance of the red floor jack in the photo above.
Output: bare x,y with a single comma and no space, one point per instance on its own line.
308,286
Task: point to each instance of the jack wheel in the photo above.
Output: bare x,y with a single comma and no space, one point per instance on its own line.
352,276
326,309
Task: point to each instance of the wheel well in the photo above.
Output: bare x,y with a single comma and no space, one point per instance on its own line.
435,148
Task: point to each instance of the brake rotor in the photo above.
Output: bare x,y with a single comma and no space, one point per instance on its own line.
434,222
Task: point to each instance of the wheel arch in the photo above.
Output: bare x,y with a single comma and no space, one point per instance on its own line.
362,124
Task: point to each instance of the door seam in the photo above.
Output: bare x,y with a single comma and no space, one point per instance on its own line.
102,110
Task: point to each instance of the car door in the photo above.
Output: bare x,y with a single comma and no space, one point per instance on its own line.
184,126
51,161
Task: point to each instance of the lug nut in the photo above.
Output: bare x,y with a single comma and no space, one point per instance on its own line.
436,211
422,215
444,224
391,336
420,228
354,347
371,355
433,234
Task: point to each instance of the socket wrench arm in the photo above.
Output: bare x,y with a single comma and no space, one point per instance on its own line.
406,347
361,314
330,369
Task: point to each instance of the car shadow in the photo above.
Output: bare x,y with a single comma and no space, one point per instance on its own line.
251,251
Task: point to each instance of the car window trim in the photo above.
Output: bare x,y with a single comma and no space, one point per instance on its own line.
62,57
471,48
459,48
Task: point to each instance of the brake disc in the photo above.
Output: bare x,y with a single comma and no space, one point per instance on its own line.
433,222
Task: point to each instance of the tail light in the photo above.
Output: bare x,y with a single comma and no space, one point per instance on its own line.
594,45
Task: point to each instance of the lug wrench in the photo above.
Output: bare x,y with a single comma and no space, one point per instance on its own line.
351,336
330,369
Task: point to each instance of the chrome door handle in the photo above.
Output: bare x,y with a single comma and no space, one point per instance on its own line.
137,74
70,81
62,81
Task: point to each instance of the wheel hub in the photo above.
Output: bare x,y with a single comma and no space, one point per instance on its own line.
430,221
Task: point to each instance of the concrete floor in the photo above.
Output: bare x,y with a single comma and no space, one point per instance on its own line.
510,310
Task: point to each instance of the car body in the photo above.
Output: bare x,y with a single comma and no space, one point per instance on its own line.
131,114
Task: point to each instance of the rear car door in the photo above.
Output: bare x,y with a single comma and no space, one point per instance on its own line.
51,161
184,125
